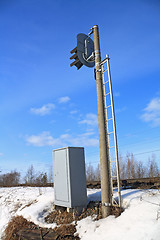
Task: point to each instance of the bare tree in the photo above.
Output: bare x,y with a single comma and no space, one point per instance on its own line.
10,179
128,167
122,164
41,179
140,170
50,174
97,173
133,166
153,170
30,175
90,175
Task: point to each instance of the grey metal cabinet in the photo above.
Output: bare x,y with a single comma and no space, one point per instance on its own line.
69,177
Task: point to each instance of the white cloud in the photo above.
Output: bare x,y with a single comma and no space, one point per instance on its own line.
73,112
90,119
44,110
80,140
45,139
64,99
152,112
88,133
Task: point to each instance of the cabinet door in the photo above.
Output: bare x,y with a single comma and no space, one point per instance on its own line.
61,176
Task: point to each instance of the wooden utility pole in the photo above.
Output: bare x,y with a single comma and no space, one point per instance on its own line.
103,138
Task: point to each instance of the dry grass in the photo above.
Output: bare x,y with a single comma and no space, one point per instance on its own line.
19,226
60,217
15,225
66,232
93,209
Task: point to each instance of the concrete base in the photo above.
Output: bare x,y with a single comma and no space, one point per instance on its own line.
75,210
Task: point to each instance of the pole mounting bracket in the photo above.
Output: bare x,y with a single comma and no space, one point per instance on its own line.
106,204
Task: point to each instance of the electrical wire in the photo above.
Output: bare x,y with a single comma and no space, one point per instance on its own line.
134,133
144,141
157,150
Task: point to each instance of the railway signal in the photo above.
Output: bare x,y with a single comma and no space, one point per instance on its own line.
77,62
88,53
83,54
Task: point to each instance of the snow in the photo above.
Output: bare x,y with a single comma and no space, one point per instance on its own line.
140,220
30,202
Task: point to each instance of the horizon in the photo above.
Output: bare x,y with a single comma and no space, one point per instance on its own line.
46,104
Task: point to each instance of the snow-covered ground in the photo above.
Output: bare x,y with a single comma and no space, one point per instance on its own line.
139,221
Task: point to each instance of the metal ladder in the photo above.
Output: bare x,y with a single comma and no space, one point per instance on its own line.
111,131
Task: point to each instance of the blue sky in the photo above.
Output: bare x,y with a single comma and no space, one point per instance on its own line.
45,104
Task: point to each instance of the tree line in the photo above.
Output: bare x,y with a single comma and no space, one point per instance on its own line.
129,168
32,177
